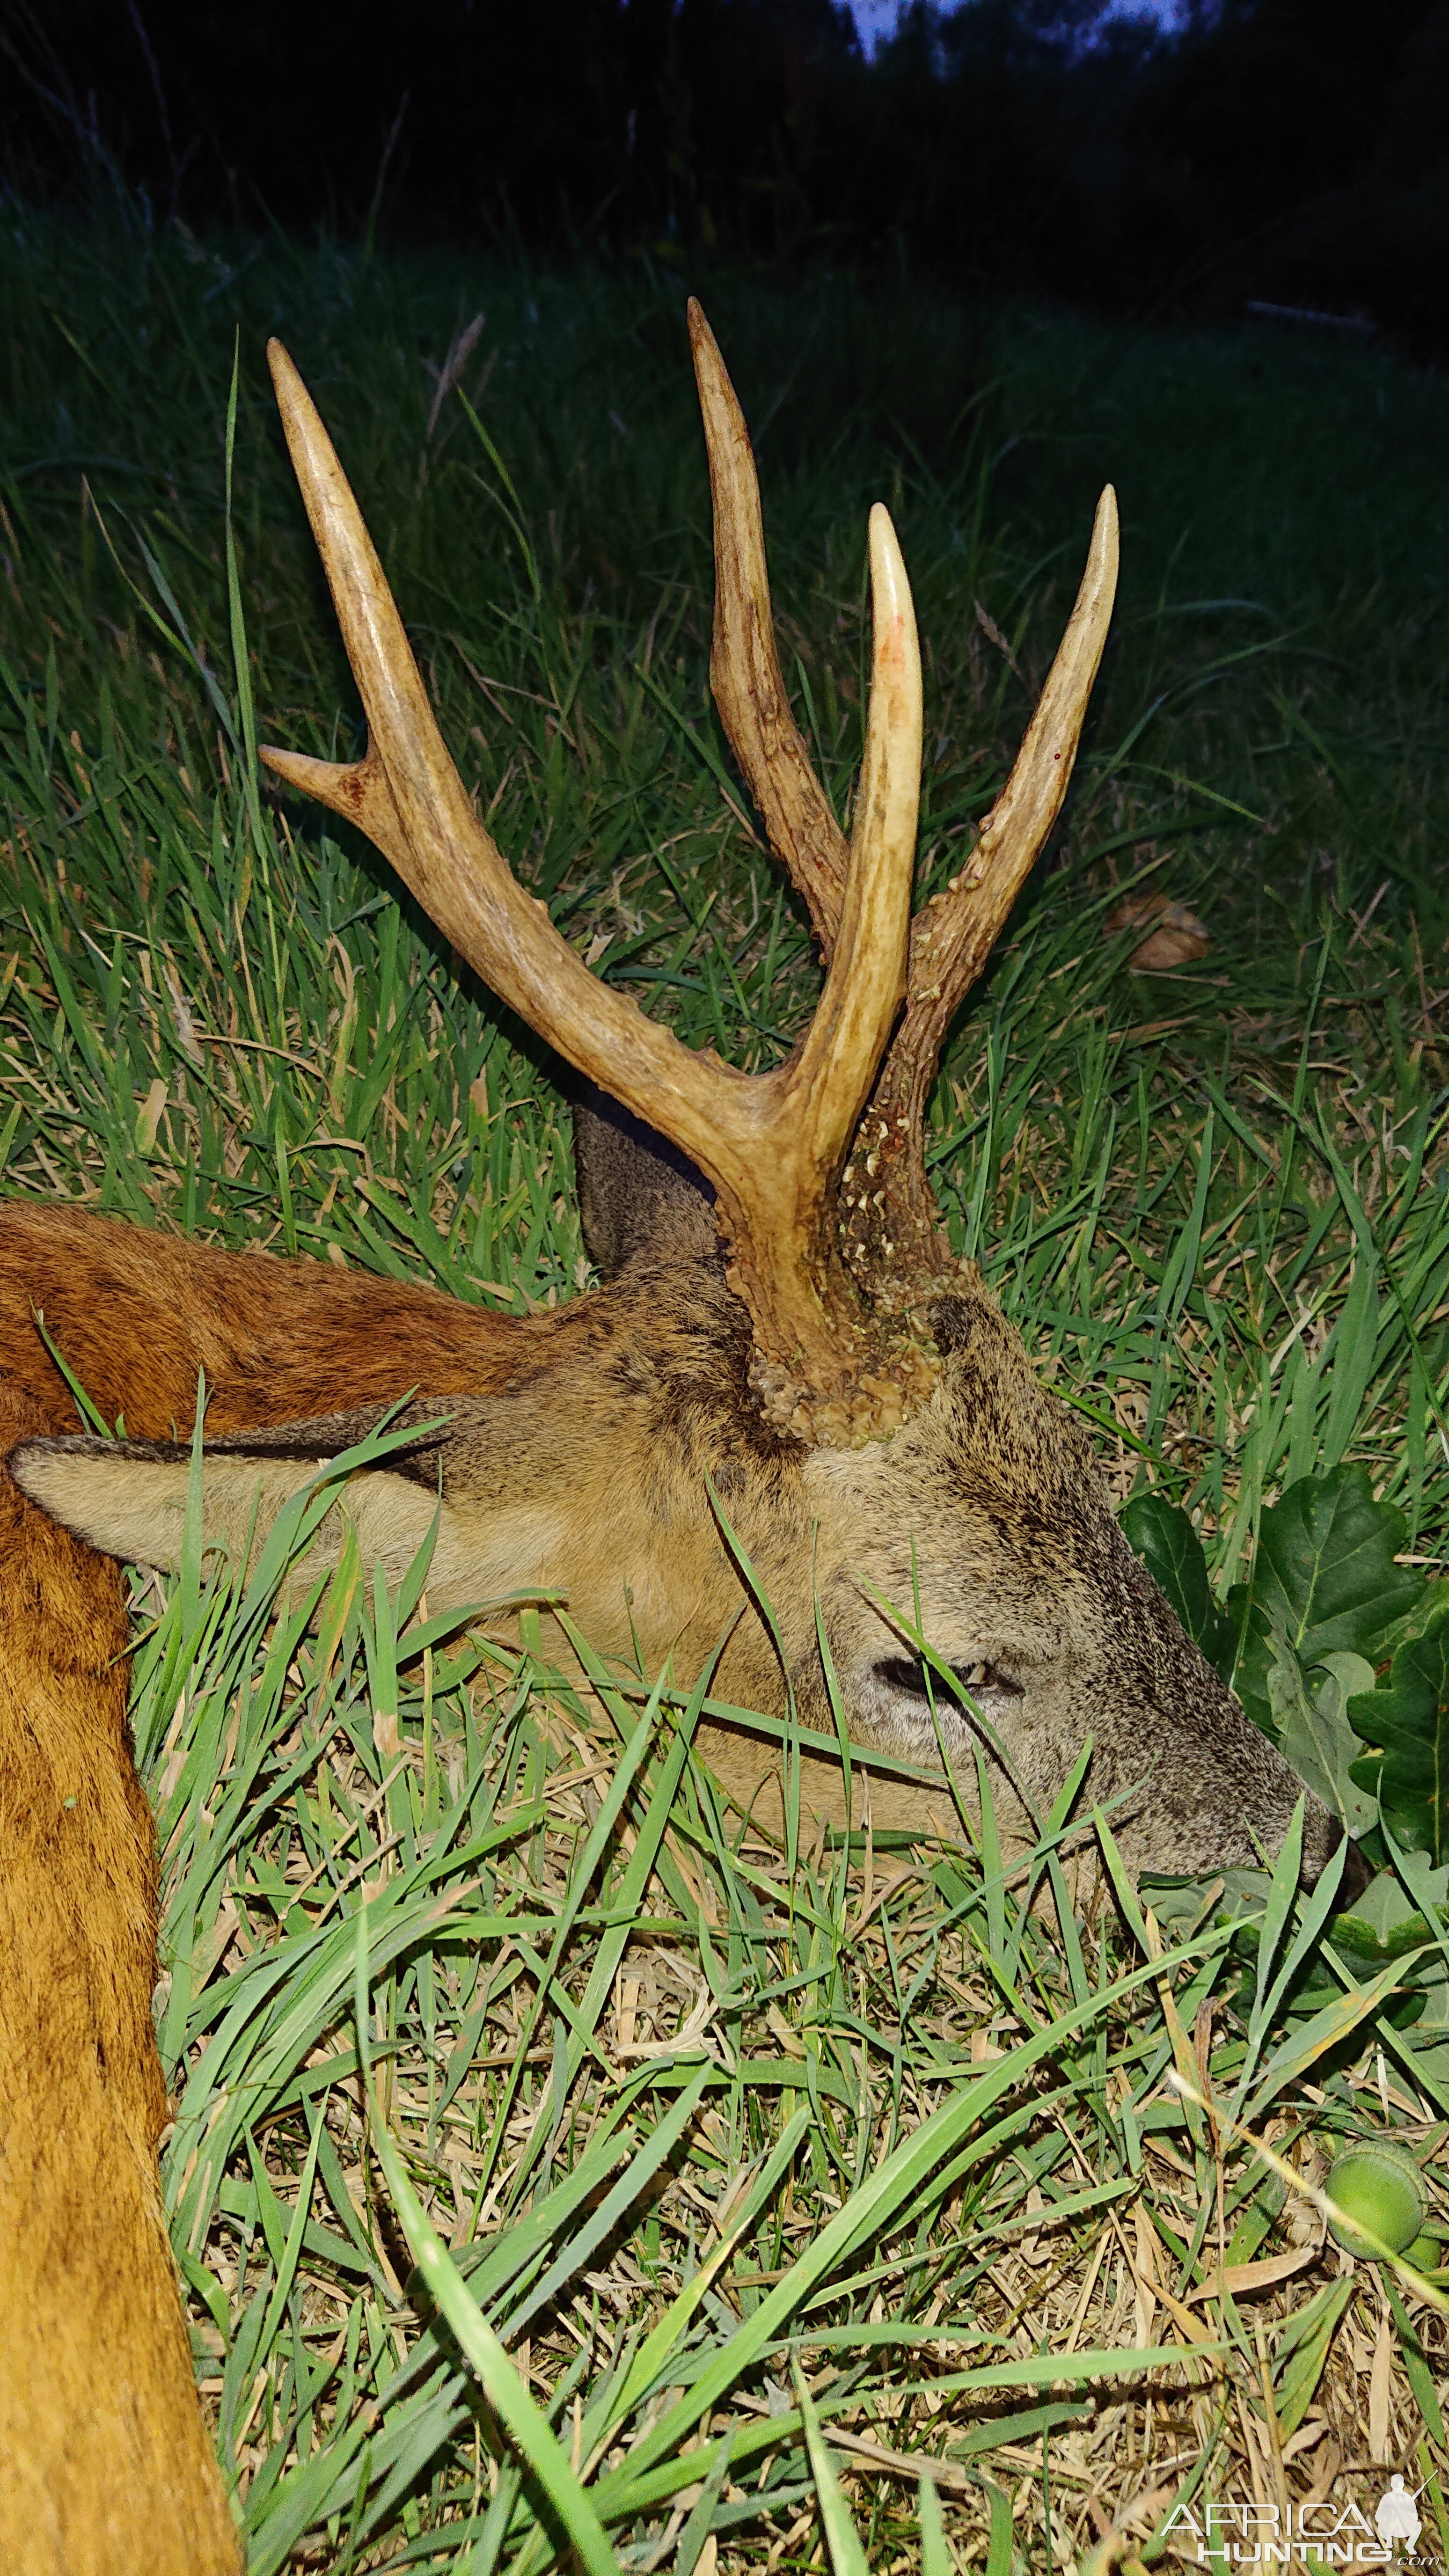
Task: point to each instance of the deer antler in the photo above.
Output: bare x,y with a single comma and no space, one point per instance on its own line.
954,933
773,1144
889,1219
744,669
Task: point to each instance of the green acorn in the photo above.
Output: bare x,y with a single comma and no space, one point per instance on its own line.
1380,2187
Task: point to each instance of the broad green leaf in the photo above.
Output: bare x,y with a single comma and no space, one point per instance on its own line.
1350,1674
1427,1979
1417,1620
1407,1723
1431,2029
1314,1733
1324,1582
1178,1903
1385,1923
1169,1546
1423,1885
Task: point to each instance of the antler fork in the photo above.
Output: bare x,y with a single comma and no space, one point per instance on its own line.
892,1226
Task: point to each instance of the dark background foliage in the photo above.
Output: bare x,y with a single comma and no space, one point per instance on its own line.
1287,150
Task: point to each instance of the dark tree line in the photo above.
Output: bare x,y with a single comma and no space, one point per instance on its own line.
1296,150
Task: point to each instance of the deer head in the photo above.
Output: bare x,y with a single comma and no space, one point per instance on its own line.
790,1368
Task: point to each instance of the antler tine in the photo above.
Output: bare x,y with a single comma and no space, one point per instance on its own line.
772,1144
407,796
744,670
953,935
791,1262
959,928
832,1075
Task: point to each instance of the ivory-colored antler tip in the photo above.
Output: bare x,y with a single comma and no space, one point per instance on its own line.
704,347
890,588
293,400
1105,552
291,766
301,769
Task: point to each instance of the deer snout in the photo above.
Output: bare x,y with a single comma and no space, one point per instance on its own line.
1223,1796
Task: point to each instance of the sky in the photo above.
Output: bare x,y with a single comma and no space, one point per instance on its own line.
875,18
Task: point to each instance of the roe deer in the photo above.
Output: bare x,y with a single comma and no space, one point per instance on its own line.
785,1360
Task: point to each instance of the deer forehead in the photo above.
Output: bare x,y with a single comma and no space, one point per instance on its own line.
1017,1492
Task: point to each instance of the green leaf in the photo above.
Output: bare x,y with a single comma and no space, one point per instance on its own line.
1306,2342
998,2551
1324,1582
524,2422
1407,1722
936,2558
1313,2038
1417,1619
1385,1922
1411,2353
847,2558
1430,2043
1315,1736
1163,1536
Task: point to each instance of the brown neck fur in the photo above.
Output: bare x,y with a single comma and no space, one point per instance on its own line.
104,2462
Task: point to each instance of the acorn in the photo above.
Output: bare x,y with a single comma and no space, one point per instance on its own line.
1381,2188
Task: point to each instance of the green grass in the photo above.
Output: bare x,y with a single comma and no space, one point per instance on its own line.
697,2134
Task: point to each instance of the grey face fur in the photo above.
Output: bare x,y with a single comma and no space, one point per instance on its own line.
1031,1593
989,1511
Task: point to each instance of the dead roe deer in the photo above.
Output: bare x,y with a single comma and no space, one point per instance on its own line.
784,1344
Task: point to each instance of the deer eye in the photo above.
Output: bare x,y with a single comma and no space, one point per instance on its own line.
907,1673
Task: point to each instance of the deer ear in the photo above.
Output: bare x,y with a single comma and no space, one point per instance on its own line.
640,1198
127,1498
